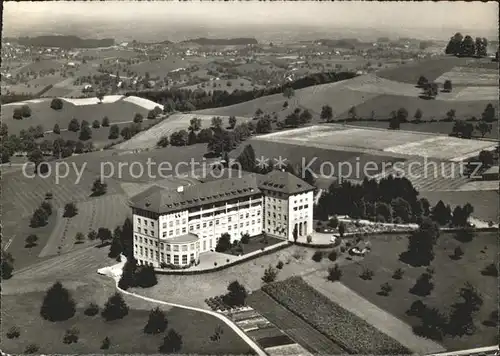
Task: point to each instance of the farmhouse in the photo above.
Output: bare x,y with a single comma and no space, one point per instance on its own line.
174,227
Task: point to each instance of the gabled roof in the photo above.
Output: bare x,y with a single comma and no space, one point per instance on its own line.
160,200
283,182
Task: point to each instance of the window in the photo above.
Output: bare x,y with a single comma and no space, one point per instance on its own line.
217,222
184,230
171,232
156,243
184,259
197,226
268,213
258,212
192,247
156,254
176,260
151,252
241,224
164,225
191,227
210,223
164,234
152,223
247,215
229,227
241,216
258,221
204,224
141,250
191,257
235,226
177,222
184,221
177,231
168,247
139,230
228,219
184,247
253,222
306,206
162,255
168,258
176,248
171,223
139,221
248,223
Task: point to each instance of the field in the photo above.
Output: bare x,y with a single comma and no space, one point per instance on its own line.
42,114
460,76
383,105
449,276
351,332
291,324
222,84
175,122
400,143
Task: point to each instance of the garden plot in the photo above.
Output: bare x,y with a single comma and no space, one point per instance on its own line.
442,147
470,76
107,211
175,122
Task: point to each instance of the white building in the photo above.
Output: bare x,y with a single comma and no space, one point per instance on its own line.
175,227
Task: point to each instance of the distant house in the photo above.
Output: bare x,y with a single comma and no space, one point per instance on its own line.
71,64
491,173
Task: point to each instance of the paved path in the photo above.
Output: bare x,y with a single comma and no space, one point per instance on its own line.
258,350
379,318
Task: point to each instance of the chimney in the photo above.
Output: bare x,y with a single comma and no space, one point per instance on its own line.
180,189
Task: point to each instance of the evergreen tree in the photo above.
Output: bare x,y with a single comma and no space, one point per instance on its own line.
423,286
146,277
421,244
128,277
58,305
461,320
172,343
115,308
247,159
157,322
236,295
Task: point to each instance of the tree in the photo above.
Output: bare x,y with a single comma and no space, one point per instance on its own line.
423,286
73,125
461,321
105,343
422,81
342,229
179,138
172,343
99,187
460,216
295,233
71,336
7,265
270,274
457,253
394,123
236,295
488,114
468,47
431,90
91,310
232,122
31,241
17,114
398,274
454,45
195,124
385,289
138,118
4,130
264,125
418,115
204,136
36,156
421,244
490,270
105,121
352,114
56,104
70,210
58,305
85,133
441,213
450,115
326,113
146,277
25,111
224,243
222,141
447,85
96,124
334,273
39,218
462,129
157,322
115,308
285,104
288,92
216,123
104,234
92,235
31,349
114,132
100,96
483,127
247,159
258,112
128,277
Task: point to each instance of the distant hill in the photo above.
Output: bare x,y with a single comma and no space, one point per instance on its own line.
222,42
66,42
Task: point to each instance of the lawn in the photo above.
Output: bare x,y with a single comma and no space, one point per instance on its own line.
449,276
126,335
349,331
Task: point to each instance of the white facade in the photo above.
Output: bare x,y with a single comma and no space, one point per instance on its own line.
177,238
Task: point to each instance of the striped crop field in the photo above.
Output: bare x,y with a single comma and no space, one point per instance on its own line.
107,211
175,122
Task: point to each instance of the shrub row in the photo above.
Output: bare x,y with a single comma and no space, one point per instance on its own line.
352,333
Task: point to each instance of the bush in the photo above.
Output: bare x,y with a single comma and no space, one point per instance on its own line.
31,349
332,256
245,238
279,265
317,256
13,333
105,343
71,336
333,222
157,322
398,274
91,310
56,104
309,239
490,270
367,274
58,305
115,308
269,275
334,273
385,289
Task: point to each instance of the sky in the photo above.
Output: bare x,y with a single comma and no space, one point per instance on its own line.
388,15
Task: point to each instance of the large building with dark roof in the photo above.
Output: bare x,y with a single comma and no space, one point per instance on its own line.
172,227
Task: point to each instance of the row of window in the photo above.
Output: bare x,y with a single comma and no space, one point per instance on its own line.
274,215
177,222
152,242
177,232
145,231
301,207
152,223
167,258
